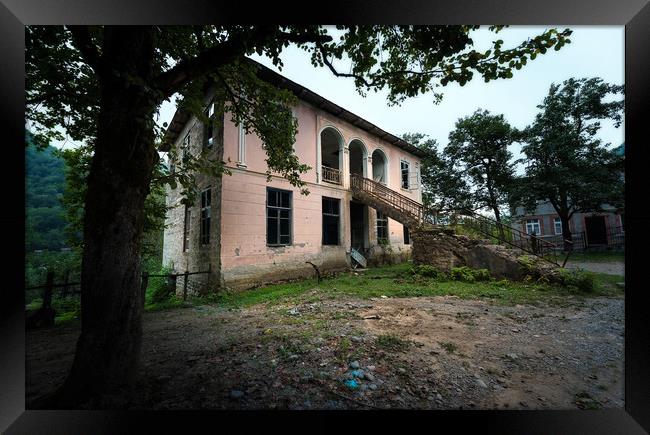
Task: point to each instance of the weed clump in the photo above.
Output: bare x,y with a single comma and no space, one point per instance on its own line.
577,278
467,274
426,270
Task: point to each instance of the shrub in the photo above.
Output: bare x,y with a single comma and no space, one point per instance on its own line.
159,289
467,274
577,278
425,270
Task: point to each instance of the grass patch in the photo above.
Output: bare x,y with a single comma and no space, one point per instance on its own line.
399,281
389,280
392,342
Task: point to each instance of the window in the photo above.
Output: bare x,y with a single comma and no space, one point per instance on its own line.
407,236
186,148
242,146
331,213
278,217
405,167
532,226
206,200
186,229
209,127
557,222
382,227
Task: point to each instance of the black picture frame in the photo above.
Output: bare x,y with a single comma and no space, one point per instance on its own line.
634,14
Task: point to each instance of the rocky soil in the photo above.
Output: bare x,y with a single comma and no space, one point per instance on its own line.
425,352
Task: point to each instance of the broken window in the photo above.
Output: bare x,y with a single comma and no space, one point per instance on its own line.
186,229
206,211
382,227
405,168
278,217
331,214
209,127
186,149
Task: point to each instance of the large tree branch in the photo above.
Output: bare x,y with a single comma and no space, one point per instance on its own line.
212,58
89,51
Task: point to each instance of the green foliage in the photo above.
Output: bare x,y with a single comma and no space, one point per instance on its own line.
467,274
566,162
37,264
44,187
78,161
478,149
580,279
426,270
159,288
443,186
392,342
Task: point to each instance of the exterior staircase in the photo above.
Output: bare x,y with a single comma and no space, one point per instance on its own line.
411,213
394,205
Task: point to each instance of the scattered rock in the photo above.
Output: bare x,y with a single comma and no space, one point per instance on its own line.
371,367
354,365
369,376
481,383
372,386
356,339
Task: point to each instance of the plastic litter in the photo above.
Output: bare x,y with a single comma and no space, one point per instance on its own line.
351,384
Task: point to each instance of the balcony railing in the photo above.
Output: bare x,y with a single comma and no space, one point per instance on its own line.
331,175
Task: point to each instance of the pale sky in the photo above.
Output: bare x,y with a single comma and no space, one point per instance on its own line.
594,51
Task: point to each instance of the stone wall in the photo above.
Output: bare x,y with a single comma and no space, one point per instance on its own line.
197,257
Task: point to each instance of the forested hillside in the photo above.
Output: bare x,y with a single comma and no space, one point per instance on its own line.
44,187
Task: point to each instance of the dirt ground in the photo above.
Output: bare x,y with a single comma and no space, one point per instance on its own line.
424,352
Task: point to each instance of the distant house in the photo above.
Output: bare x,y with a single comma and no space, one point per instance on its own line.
602,228
364,185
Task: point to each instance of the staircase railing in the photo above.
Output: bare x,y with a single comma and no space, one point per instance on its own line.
502,233
412,210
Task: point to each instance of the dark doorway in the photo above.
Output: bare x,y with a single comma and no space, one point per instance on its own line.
358,226
596,230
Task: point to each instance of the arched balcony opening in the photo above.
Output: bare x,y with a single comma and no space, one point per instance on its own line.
331,147
379,166
358,158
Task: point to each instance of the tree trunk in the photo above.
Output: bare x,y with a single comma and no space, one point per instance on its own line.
108,349
567,238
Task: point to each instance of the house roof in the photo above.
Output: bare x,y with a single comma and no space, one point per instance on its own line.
181,118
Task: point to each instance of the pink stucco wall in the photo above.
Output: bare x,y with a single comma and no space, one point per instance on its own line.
244,252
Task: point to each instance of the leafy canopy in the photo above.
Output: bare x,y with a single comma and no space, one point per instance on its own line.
567,164
478,148
66,67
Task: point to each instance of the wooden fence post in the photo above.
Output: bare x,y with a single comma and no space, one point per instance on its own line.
47,292
143,285
185,284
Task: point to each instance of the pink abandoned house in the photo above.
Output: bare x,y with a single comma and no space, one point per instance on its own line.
364,194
